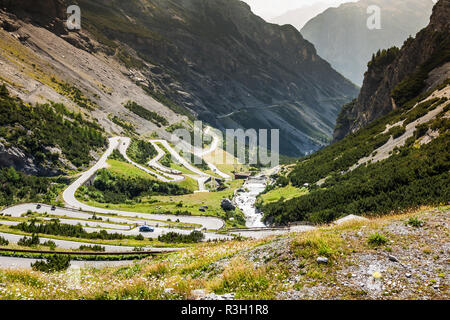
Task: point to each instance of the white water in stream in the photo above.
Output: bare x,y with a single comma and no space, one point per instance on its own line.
246,201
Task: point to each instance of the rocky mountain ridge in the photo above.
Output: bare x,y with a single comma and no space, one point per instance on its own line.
396,76
219,62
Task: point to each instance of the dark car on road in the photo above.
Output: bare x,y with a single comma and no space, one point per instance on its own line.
53,208
146,229
38,206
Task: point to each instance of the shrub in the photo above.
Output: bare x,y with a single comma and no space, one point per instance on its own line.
116,155
54,263
421,130
139,237
95,248
29,242
414,222
50,244
377,239
397,131
3,241
173,237
59,229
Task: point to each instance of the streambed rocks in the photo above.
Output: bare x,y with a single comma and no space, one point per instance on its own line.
246,201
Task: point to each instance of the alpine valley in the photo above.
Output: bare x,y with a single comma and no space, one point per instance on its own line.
97,202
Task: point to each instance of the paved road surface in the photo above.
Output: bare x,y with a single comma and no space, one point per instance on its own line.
131,232
66,244
211,149
70,200
179,158
25,263
18,210
154,163
125,143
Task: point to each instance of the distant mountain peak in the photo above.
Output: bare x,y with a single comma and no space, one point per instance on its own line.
341,35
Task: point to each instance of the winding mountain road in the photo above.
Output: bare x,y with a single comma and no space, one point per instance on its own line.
80,212
123,147
210,150
69,198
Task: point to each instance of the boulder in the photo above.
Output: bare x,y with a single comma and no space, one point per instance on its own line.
349,218
322,260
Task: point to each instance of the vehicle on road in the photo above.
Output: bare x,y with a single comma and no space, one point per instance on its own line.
146,229
53,208
38,206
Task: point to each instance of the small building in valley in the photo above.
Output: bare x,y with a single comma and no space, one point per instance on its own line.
242,176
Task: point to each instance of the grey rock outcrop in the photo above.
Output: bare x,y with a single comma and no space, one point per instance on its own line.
376,97
16,158
229,67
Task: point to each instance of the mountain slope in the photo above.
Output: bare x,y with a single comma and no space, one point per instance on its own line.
396,76
216,61
341,35
398,162
226,65
400,157
41,61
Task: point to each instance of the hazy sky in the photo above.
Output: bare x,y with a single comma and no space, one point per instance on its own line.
269,9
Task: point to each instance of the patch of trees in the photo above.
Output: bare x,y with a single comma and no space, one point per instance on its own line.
94,248
383,57
39,128
29,242
341,155
128,127
173,237
75,94
158,96
53,263
3,241
16,186
421,110
116,155
74,231
141,151
407,89
111,188
409,178
397,131
146,114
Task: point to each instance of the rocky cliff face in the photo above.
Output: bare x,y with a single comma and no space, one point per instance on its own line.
16,158
227,66
47,13
395,76
341,35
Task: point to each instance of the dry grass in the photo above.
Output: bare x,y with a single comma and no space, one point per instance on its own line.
228,267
